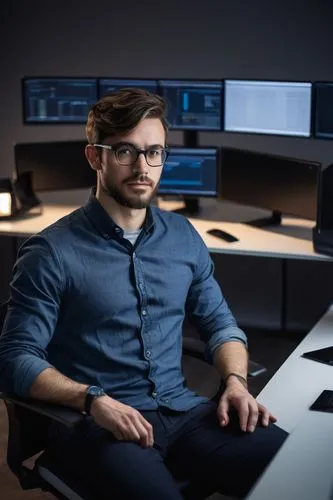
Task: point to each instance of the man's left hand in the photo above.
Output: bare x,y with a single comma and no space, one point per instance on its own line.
250,412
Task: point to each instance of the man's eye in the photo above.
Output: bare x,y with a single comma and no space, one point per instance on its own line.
125,151
154,152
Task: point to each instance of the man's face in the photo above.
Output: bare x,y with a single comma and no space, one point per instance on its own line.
133,185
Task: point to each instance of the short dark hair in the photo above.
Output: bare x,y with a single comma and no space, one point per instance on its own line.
120,112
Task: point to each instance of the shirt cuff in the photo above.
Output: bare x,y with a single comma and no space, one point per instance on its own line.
29,367
229,334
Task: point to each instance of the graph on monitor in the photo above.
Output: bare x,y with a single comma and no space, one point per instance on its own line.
57,99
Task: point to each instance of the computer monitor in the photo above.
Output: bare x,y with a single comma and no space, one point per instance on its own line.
283,185
55,100
323,105
55,165
191,173
193,104
268,107
106,85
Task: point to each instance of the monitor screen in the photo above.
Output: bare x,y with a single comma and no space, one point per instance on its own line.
58,100
272,182
193,104
267,107
106,85
323,116
55,165
190,171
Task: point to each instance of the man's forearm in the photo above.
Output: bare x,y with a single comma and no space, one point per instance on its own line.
53,387
231,357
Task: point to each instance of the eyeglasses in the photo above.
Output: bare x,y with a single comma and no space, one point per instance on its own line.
128,154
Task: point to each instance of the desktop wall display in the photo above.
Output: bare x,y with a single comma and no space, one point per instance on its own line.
55,165
193,104
323,105
283,185
268,107
52,100
191,173
106,85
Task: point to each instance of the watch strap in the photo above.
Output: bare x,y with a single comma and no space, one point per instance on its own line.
90,396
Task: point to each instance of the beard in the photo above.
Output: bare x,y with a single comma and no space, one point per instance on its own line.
135,201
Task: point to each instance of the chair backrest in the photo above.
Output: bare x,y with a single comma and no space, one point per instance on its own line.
3,310
27,432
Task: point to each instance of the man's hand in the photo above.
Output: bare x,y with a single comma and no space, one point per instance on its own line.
125,423
249,410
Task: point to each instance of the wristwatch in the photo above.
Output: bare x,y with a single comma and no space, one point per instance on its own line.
93,392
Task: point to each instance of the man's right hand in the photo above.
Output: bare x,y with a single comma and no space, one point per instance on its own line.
125,423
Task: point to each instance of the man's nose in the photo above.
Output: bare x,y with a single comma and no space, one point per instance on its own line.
141,164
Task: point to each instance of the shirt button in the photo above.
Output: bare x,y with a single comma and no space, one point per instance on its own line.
144,312
154,394
148,354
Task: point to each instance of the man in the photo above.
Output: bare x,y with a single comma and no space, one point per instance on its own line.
95,318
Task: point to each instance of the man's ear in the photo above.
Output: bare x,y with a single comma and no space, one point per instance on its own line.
92,157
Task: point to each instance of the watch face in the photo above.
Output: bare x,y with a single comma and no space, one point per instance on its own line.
95,391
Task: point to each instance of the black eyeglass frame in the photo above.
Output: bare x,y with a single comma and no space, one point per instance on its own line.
115,147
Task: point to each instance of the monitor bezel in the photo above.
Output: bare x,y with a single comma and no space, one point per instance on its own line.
314,109
315,163
17,144
264,80
128,78
197,80
24,79
217,150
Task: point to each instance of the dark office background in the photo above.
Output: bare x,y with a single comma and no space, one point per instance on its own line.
214,39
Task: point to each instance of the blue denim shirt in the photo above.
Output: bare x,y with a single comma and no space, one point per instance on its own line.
102,311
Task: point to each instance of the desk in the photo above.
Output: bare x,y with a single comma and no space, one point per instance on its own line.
303,467
299,381
270,302
252,241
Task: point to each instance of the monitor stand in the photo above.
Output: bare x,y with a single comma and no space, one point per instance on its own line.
191,207
273,220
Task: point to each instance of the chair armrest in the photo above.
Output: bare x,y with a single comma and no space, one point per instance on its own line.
62,414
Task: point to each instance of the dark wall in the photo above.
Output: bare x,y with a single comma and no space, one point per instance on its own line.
215,39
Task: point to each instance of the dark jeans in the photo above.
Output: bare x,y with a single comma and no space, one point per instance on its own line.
188,445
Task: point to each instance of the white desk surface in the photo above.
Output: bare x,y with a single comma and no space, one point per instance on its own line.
299,381
26,226
252,241
303,467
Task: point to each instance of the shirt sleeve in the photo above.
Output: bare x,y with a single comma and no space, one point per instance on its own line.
31,317
207,308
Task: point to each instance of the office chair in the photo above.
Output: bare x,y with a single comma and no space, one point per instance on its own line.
30,419
28,425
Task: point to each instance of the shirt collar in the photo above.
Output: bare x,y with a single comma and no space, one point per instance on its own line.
102,221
